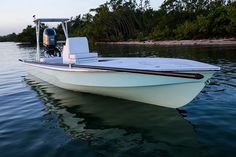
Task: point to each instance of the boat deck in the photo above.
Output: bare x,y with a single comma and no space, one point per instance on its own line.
153,64
145,64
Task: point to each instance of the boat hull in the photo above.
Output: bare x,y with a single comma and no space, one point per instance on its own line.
164,91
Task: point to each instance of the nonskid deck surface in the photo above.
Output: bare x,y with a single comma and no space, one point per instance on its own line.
155,64
149,64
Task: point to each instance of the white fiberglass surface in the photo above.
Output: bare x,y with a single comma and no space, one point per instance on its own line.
158,64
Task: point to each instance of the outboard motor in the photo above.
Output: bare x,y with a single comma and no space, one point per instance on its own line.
50,42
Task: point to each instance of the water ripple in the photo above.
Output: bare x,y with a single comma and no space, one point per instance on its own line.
38,119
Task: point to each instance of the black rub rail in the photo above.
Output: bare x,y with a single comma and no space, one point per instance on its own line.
196,76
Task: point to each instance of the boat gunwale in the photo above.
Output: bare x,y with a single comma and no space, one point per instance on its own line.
180,74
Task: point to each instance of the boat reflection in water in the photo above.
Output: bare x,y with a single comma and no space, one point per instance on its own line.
114,126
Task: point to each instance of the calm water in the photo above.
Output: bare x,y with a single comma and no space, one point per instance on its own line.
38,119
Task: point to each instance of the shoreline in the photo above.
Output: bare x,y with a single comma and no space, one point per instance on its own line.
230,41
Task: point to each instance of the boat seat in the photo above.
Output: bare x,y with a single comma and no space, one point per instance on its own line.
76,51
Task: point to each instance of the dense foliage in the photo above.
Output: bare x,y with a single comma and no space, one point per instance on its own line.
119,20
27,35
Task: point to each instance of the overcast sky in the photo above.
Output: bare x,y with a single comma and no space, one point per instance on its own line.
17,14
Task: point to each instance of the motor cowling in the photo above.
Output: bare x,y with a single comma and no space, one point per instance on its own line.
50,42
49,37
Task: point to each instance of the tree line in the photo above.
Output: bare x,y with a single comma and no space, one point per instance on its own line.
122,20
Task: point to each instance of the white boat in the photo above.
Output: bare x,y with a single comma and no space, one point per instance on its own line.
165,82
